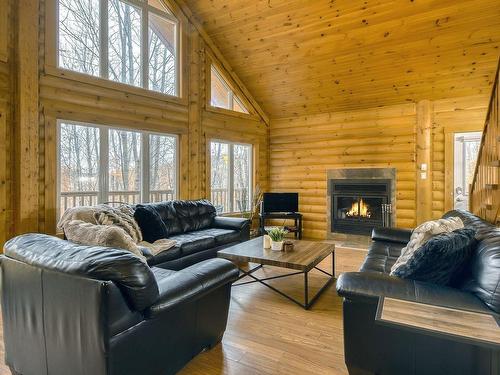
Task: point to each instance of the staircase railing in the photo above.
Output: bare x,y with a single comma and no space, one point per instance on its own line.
485,188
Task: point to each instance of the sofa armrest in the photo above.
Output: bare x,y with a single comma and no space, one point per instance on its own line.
235,223
369,286
391,235
192,283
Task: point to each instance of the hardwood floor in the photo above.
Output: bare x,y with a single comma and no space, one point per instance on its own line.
267,334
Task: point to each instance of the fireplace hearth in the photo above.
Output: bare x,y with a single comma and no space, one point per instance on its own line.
360,205
360,199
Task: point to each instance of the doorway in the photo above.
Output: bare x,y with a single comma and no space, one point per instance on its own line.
465,151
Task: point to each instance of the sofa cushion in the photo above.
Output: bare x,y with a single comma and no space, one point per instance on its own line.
423,233
126,270
222,236
441,260
193,242
381,256
152,226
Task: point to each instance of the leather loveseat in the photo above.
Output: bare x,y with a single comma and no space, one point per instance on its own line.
80,310
372,348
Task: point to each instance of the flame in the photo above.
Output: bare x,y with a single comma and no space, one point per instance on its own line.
361,210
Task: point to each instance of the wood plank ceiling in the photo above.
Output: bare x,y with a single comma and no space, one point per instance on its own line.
313,56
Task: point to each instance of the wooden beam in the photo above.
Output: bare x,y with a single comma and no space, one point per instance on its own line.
424,157
215,50
27,127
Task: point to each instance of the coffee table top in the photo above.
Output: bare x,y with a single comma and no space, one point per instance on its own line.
304,256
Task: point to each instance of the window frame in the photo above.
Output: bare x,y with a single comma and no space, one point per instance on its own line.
231,145
103,179
52,47
234,93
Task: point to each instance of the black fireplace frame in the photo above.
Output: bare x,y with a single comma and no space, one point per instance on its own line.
360,188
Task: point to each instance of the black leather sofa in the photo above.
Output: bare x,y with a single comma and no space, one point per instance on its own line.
194,224
372,348
80,310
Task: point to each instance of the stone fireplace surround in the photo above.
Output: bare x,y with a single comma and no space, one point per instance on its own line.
361,174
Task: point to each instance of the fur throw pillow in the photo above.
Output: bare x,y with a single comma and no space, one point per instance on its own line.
84,233
423,233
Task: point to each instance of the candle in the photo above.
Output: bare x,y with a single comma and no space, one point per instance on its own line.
267,242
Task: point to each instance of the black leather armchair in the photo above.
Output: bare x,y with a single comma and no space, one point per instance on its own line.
79,310
372,348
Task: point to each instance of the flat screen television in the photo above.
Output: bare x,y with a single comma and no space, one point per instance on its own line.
280,202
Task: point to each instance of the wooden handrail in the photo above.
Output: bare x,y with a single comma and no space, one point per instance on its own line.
485,200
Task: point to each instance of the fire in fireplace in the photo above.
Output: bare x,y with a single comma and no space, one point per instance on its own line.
360,205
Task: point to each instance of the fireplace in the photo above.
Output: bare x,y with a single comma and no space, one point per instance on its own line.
358,200
360,205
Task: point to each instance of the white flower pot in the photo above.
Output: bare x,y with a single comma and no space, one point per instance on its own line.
276,245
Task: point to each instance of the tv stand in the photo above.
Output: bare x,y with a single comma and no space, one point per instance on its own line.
297,217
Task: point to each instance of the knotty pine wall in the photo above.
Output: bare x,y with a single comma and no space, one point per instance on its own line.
59,94
303,148
6,123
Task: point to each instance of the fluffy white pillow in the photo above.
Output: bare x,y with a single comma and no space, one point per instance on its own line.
423,233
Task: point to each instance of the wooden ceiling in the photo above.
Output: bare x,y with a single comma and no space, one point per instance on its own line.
312,56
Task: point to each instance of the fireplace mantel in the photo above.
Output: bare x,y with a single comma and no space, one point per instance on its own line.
362,174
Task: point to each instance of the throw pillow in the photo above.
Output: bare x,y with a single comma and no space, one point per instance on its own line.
152,226
423,233
441,260
83,233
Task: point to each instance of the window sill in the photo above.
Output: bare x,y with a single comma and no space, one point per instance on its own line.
227,112
122,87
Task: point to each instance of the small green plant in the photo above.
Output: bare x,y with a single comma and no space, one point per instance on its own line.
277,234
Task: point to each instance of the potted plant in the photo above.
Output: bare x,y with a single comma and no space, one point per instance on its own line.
277,236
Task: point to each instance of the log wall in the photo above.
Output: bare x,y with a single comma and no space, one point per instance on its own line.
303,148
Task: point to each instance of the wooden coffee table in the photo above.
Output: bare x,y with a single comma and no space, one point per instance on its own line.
305,257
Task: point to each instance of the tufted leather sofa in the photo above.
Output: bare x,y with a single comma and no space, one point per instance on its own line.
80,310
199,232
372,348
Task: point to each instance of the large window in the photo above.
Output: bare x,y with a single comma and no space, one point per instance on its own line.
99,164
231,176
222,96
133,42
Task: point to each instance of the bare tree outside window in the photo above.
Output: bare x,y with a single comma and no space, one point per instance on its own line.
124,43
79,41
231,167
81,166
147,60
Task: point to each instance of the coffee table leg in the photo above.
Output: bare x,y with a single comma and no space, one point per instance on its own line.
306,291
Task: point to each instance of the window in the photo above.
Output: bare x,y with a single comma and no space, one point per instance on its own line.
99,164
222,96
231,176
132,42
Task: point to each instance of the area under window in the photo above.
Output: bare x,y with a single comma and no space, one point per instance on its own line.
231,176
222,96
99,164
133,42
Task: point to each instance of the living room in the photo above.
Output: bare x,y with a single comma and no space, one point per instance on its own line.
249,187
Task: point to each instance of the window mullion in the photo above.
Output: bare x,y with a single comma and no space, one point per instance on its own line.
231,177
103,42
103,195
145,47
145,187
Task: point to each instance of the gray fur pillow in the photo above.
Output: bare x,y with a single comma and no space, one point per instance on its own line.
84,233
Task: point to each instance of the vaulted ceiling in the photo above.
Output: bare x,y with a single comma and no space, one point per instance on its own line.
310,56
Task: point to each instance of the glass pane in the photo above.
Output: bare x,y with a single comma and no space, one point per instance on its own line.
124,43
220,92
78,36
466,149
241,177
124,166
162,52
79,165
159,4
162,164
238,105
219,157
